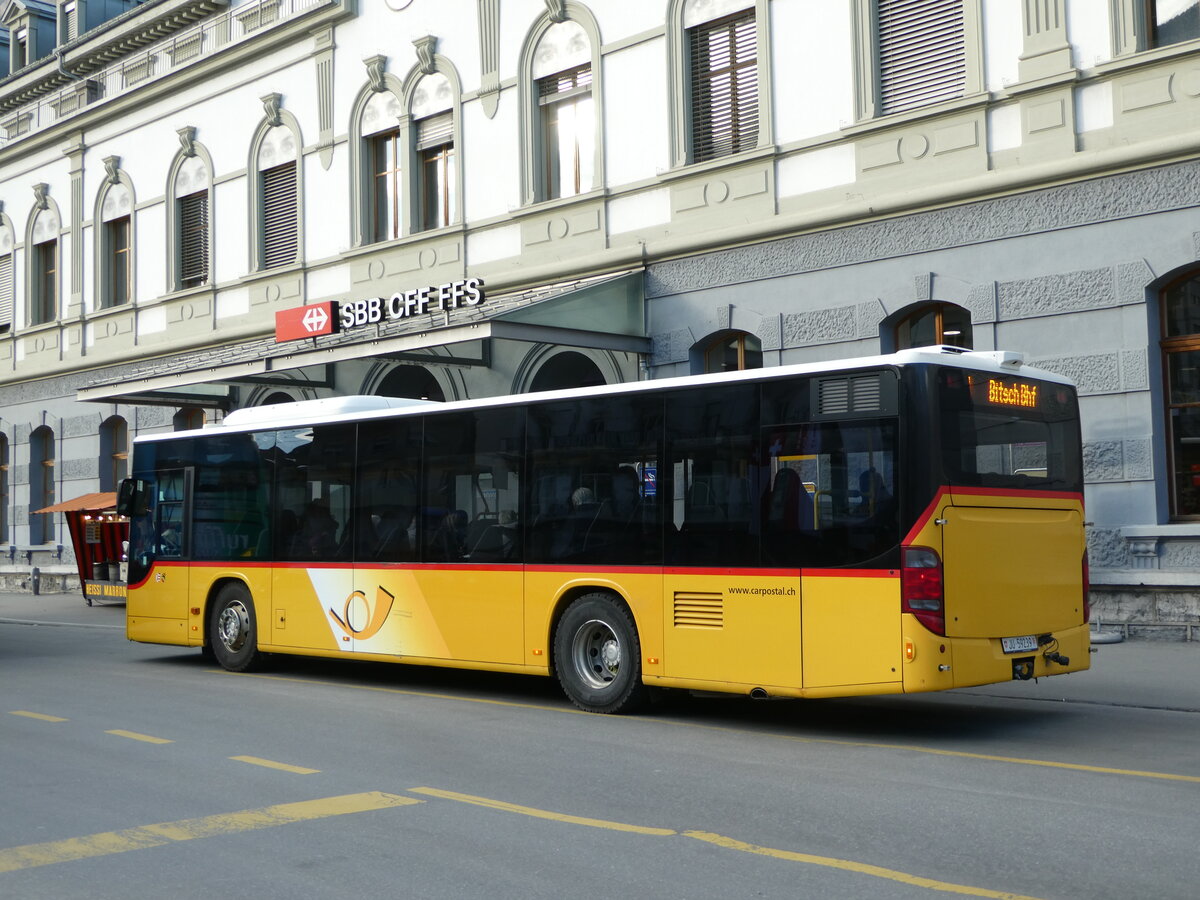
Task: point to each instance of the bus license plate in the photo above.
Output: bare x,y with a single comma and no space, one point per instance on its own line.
1025,644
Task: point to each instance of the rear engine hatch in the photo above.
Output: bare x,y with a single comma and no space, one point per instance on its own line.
1011,571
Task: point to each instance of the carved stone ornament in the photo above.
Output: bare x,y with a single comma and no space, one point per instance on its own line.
112,169
187,140
271,104
426,48
557,10
375,67
41,192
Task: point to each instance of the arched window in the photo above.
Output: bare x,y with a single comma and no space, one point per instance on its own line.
7,280
187,419
1181,363
43,267
733,352
4,537
413,382
191,217
114,452
436,171
933,324
720,78
560,107
382,156
41,484
276,190
114,245
567,370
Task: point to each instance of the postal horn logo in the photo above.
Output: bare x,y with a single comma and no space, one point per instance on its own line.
362,619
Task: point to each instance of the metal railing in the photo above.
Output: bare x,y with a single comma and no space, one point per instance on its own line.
145,66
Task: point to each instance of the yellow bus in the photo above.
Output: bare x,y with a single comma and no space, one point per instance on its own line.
900,523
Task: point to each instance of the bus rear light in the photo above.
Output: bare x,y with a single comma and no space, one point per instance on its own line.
921,587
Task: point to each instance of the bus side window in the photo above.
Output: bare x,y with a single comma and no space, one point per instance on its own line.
832,495
314,493
714,492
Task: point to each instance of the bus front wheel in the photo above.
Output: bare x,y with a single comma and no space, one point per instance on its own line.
233,629
597,655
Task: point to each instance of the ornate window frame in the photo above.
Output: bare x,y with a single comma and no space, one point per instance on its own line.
362,226
679,93
116,183
35,277
429,62
275,117
191,154
532,145
865,41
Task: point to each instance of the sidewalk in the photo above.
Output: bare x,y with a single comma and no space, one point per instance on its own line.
1134,673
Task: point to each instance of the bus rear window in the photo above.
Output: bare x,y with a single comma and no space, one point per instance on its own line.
1008,432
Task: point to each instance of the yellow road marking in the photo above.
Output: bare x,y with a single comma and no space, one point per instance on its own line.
847,865
271,764
868,745
51,852
41,716
541,813
139,737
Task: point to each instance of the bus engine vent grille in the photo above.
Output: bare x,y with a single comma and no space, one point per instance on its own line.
862,393
697,610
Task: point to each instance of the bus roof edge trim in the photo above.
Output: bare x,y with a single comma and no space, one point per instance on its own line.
319,408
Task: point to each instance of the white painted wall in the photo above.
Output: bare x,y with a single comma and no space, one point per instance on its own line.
812,55
636,130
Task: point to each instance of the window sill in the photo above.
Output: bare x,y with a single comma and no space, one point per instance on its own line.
687,170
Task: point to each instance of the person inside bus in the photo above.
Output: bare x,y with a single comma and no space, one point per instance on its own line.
317,537
391,534
791,507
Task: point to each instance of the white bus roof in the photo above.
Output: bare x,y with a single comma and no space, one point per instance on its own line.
303,413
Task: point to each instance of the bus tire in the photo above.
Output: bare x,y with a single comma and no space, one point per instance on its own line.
597,655
233,629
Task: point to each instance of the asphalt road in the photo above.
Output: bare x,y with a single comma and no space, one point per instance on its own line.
138,771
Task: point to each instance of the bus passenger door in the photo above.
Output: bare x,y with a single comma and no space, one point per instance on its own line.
160,548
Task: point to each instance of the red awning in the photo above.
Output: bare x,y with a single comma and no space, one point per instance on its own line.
87,502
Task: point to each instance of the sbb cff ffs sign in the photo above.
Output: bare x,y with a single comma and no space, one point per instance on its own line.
332,316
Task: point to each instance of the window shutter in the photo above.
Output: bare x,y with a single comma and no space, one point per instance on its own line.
922,53
724,78
280,233
435,131
562,85
193,239
6,292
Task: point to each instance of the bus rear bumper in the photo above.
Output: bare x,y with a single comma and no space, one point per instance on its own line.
939,663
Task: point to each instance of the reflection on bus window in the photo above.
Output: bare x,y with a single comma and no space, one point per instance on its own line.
831,496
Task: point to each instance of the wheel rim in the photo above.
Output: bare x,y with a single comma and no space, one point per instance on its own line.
596,654
233,626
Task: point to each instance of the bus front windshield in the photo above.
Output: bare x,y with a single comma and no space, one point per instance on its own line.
1005,431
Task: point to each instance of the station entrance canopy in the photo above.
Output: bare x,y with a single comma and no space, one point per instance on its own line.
461,321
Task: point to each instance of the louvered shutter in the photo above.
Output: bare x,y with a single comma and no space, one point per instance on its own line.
922,53
280,238
193,240
435,131
6,292
724,86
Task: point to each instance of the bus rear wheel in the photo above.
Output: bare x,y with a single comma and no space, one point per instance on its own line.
597,655
233,629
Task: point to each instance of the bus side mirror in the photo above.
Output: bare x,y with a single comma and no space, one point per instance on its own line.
133,498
